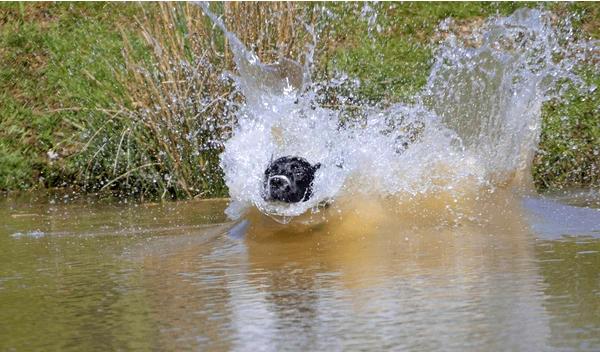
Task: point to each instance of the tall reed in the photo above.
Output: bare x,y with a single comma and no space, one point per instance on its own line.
163,138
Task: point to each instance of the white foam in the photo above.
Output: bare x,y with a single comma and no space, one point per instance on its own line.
478,120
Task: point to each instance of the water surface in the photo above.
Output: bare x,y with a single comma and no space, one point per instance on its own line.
88,275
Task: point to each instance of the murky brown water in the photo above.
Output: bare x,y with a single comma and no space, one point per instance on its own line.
520,275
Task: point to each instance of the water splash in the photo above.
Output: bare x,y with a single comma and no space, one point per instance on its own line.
474,127
30,234
489,88
259,82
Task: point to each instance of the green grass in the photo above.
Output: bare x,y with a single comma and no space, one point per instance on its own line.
61,80
56,70
394,63
569,150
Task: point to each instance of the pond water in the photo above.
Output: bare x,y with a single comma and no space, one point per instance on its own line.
524,274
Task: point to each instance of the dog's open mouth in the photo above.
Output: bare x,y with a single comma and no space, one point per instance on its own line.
289,179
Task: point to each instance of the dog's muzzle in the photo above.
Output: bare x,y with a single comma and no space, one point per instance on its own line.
276,185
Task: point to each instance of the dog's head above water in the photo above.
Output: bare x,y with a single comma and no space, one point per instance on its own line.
289,179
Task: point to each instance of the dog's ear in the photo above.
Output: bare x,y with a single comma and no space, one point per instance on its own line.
317,166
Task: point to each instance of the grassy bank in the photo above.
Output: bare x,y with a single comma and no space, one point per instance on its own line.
57,66
129,97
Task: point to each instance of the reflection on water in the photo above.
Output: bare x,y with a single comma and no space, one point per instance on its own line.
366,275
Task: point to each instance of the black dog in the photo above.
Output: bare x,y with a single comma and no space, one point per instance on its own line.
289,179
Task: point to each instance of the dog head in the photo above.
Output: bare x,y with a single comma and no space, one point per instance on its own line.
289,179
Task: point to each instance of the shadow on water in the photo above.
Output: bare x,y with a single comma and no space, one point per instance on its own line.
367,273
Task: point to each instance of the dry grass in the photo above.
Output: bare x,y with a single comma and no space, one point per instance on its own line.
273,30
165,135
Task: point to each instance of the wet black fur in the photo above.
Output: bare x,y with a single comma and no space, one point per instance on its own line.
301,175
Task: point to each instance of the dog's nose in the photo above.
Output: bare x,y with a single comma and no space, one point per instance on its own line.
278,182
